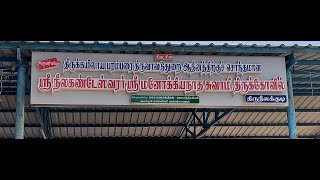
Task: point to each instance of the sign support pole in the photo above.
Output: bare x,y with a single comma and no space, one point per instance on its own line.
21,85
291,114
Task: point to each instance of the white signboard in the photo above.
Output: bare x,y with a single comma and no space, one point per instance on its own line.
62,78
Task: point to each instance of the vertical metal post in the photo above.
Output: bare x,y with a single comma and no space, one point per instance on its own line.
19,127
291,114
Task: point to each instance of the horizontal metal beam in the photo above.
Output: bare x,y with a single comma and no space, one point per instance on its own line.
275,110
312,72
9,84
255,137
304,86
5,59
11,93
14,78
163,125
9,89
175,137
306,94
187,110
99,125
142,110
311,92
104,137
307,62
121,137
266,124
305,79
8,59
161,48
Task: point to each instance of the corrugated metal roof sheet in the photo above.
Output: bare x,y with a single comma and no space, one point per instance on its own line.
265,131
308,102
29,132
117,117
223,128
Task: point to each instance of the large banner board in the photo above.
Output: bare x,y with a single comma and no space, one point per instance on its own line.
161,80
